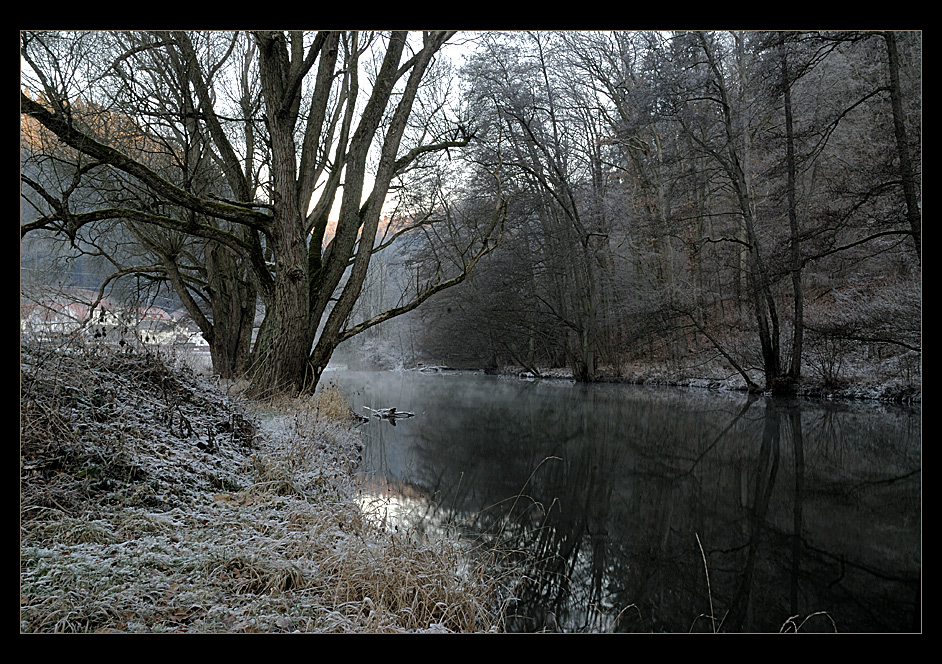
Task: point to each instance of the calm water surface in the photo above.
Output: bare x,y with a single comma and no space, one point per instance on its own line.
660,509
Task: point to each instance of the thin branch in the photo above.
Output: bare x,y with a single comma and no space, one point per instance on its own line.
86,144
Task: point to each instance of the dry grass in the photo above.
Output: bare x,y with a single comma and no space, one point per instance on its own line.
162,507
329,404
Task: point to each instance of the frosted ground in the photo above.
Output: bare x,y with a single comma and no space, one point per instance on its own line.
152,501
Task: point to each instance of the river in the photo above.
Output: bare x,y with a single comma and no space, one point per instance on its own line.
641,509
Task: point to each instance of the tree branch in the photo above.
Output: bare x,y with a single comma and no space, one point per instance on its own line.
86,144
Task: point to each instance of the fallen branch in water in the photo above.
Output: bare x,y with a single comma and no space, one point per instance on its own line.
390,414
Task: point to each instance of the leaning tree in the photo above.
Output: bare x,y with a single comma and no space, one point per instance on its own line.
251,166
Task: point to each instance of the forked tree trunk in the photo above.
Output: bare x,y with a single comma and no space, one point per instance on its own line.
280,357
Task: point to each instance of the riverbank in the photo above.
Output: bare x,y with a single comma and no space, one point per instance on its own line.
886,382
152,501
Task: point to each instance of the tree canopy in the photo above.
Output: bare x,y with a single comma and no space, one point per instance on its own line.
755,195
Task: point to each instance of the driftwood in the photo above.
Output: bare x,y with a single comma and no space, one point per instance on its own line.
390,414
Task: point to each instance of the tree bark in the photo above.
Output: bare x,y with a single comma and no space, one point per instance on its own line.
233,309
907,174
794,248
281,363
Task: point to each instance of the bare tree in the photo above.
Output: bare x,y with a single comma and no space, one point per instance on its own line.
523,84
262,136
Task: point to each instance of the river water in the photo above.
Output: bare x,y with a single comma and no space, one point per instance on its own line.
640,509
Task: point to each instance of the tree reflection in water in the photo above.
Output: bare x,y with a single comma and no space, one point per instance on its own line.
808,512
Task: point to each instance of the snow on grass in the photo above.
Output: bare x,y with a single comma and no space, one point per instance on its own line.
153,502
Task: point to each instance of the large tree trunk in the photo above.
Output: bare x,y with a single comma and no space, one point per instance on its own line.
281,360
233,307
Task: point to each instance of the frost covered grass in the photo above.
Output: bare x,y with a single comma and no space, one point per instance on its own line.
150,501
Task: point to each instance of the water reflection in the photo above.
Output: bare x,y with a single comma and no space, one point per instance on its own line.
639,509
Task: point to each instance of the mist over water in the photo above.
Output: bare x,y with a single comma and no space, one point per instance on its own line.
661,509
